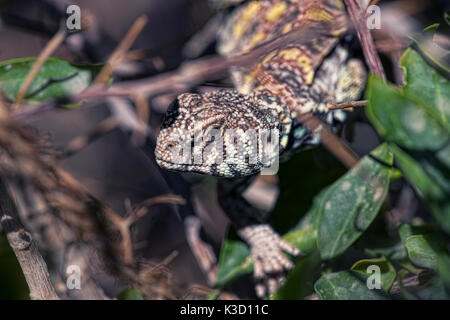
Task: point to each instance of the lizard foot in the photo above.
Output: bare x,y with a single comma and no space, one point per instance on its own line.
269,262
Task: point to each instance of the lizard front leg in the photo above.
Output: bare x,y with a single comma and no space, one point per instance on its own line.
267,248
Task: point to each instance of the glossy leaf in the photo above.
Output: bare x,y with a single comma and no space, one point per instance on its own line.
426,85
402,119
415,118
346,285
387,275
299,281
234,260
433,185
423,250
352,203
56,78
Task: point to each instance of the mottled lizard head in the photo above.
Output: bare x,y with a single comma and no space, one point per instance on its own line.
220,133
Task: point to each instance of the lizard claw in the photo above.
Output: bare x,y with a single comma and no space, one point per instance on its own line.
269,262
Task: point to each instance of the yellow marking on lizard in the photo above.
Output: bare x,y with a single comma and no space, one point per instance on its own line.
319,15
338,32
249,79
257,38
276,11
296,54
269,56
287,28
250,11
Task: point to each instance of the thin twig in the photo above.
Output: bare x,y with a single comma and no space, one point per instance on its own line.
202,39
333,143
142,208
359,19
347,105
121,50
203,252
122,224
142,117
51,46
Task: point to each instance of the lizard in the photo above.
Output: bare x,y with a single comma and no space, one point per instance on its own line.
298,78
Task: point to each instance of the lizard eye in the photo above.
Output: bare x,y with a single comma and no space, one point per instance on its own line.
171,145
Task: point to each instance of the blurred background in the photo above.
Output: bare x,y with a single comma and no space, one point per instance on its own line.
119,171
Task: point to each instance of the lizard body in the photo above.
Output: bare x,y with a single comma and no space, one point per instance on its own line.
298,78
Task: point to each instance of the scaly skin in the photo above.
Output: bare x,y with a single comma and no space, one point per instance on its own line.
291,80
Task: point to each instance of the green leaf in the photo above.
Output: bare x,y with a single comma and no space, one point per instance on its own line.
346,285
395,252
444,270
351,204
299,281
131,294
416,121
213,295
234,259
388,273
426,85
402,119
56,78
407,230
431,185
423,250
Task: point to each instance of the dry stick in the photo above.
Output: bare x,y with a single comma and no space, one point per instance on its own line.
121,50
123,224
141,209
333,143
359,19
203,38
142,117
347,105
202,251
31,262
51,46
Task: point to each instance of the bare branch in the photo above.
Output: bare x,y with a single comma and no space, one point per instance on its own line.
203,252
31,262
359,19
121,50
347,105
333,143
122,224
